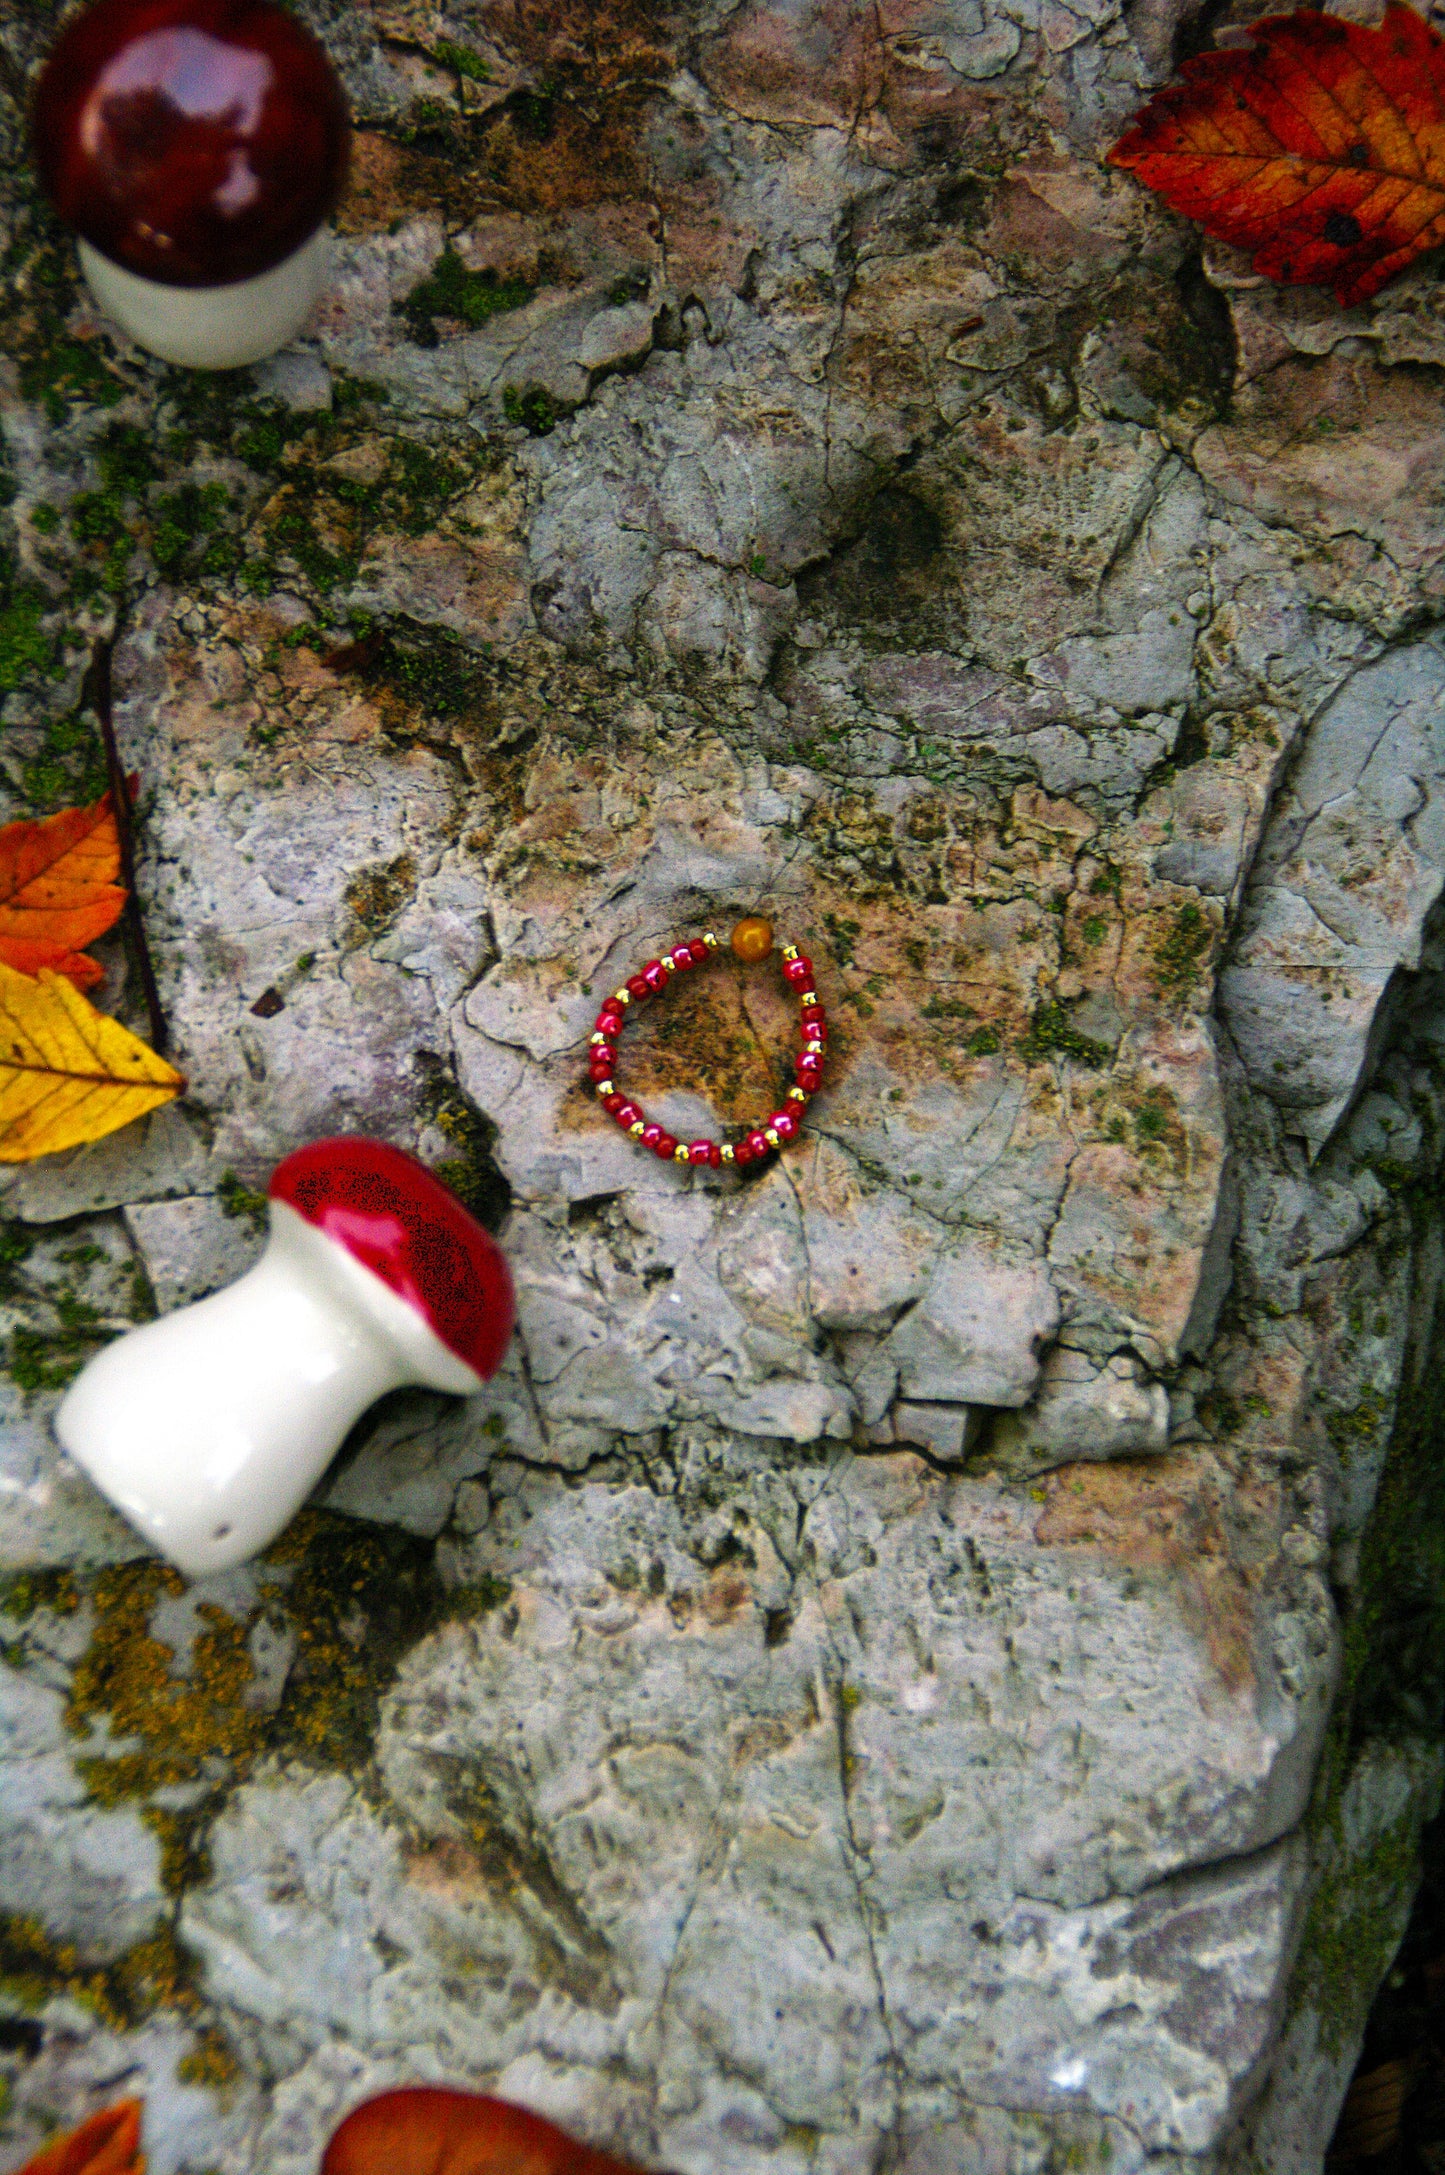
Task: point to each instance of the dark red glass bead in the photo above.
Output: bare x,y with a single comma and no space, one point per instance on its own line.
681,957
613,1104
699,951
638,988
808,1072
607,1023
664,1147
194,142
759,1145
742,1153
654,974
798,973
705,1151
784,1124
601,1064
652,1136
628,1116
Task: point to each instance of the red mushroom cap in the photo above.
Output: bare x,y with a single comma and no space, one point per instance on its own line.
195,142
392,1216
427,2130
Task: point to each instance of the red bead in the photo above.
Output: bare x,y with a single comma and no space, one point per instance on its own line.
759,1145
798,972
654,974
705,1151
698,950
784,1124
814,1026
638,988
808,1072
600,1070
652,1136
628,1116
614,1104
607,1023
664,1147
742,1153
681,957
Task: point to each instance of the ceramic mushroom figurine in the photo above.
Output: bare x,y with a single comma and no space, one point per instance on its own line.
198,148
209,1428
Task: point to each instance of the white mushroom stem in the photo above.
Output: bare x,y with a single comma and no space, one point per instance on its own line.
208,1429
214,328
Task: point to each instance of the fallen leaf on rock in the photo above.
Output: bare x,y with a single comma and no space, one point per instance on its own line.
1320,148
424,2130
27,955
58,888
67,1073
108,2144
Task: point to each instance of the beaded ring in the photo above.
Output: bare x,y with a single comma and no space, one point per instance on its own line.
752,940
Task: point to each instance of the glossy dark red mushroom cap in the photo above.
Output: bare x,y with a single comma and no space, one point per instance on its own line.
194,142
427,2130
411,1231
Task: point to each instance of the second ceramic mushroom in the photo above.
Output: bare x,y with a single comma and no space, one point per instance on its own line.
209,1428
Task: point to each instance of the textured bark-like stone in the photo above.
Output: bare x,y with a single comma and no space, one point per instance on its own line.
916,1663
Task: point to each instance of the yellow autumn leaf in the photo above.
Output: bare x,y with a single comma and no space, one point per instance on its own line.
67,1073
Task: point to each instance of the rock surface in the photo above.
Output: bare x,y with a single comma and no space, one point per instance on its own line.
926,1658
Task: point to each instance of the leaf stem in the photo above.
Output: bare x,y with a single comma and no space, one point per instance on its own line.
98,686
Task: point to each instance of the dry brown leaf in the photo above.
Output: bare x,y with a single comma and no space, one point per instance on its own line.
67,1073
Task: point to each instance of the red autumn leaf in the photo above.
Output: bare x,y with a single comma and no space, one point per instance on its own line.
108,2144
423,2130
1320,148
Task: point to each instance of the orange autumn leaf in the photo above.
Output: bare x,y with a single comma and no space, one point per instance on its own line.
424,2130
1320,148
27,956
58,881
108,2144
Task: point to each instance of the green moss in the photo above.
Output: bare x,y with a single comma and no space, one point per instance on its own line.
450,290
531,408
984,1042
471,1168
1182,953
1051,1034
23,1592
462,59
156,1973
237,1200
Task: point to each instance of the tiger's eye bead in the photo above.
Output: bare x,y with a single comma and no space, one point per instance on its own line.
650,1136
784,1124
654,977
637,989
699,948
664,1147
798,973
752,939
682,959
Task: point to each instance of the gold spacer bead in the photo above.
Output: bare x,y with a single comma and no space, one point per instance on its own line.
814,1049
604,1087
666,964
709,939
636,1131
774,1140
680,1154
809,999
599,1038
622,996
727,1155
790,951
797,1095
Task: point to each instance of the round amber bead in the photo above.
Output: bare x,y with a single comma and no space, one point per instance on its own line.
752,939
